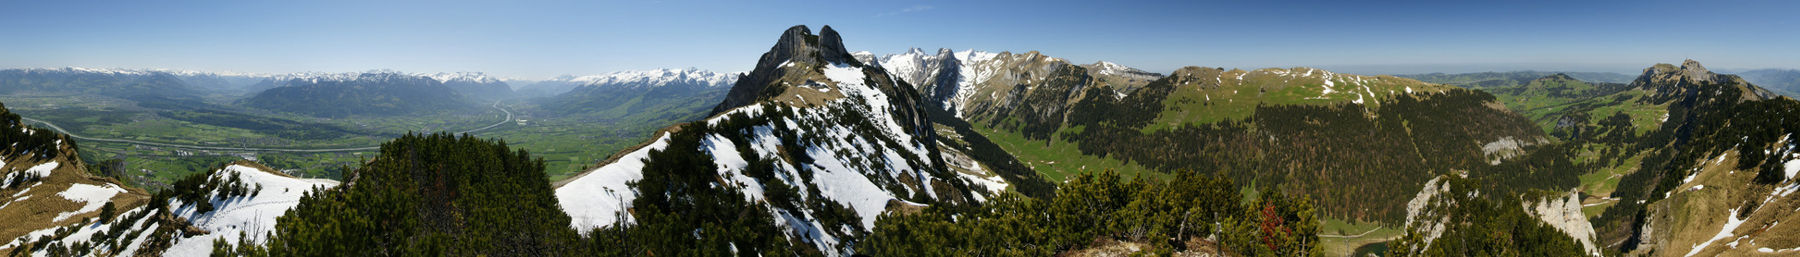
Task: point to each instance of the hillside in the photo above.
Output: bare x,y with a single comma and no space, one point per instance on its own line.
46,186
1268,126
358,94
1661,168
1663,206
233,204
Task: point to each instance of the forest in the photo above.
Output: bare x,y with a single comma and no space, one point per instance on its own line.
1359,163
1102,208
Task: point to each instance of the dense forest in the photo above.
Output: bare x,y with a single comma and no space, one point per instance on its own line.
1179,215
1359,163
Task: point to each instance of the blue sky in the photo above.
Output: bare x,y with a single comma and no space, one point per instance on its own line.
538,39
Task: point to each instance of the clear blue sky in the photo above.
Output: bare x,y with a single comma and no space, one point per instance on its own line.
530,39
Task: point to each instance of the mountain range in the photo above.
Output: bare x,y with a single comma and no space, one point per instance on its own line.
822,151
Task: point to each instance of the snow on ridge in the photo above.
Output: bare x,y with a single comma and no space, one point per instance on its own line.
41,170
600,197
475,77
657,78
92,198
142,72
251,215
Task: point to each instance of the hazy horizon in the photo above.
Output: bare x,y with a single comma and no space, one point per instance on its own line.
542,40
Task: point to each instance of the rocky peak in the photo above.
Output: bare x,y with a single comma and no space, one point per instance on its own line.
831,47
794,44
1669,81
1692,69
915,51
797,59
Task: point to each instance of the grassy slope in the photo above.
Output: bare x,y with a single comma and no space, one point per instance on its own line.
1060,160
1548,99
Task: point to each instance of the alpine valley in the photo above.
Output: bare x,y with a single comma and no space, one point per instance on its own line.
818,150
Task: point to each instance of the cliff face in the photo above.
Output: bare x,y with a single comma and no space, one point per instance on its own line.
1564,213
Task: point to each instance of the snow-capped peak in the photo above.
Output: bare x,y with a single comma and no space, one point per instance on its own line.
386,74
1109,68
476,77
657,78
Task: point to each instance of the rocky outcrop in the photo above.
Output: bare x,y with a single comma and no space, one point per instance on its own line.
1564,213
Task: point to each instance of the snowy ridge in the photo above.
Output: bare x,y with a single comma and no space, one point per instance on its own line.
656,78
953,78
472,77
90,196
383,75
599,197
914,66
1110,68
252,215
108,71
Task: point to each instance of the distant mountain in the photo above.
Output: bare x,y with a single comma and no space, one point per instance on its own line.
662,95
475,85
107,82
544,88
1785,82
629,79
378,93
1513,78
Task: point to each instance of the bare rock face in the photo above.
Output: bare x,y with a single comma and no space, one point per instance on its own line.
1564,213
831,48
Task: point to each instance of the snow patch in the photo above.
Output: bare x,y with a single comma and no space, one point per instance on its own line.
41,170
251,215
92,196
1731,224
600,197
